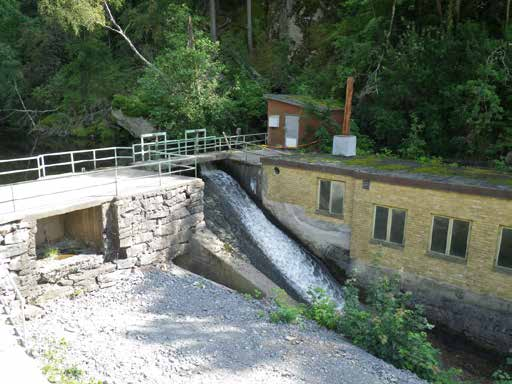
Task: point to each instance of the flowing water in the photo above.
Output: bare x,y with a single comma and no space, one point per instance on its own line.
294,263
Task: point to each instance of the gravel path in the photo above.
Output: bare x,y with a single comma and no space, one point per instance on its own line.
176,327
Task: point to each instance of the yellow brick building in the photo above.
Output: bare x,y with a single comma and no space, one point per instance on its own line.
446,235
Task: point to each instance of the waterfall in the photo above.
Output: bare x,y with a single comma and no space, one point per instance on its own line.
300,269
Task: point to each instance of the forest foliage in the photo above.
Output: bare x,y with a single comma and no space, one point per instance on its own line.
432,76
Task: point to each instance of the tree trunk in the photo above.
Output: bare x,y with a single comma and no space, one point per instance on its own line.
249,26
213,21
439,9
507,15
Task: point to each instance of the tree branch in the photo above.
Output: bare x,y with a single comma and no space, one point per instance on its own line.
117,28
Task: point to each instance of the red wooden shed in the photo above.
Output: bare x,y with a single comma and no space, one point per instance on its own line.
290,123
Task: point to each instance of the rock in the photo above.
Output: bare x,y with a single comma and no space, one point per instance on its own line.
8,251
33,312
108,278
92,273
19,236
52,292
125,263
52,271
137,126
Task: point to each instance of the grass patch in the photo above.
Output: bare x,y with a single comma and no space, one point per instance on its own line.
58,372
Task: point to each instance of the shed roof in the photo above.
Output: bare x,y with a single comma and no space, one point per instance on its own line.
306,101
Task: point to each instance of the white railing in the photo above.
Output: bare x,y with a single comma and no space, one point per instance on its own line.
110,183
66,162
193,146
87,160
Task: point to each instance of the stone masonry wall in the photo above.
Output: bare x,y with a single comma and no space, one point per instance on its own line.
138,230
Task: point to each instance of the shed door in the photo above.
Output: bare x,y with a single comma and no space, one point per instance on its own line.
291,127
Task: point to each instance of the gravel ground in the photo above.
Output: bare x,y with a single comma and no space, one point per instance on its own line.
176,327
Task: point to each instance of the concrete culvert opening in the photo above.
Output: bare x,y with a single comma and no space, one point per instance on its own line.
69,234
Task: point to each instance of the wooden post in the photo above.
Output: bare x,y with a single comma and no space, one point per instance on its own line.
348,106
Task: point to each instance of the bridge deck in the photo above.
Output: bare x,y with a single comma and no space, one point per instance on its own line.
65,193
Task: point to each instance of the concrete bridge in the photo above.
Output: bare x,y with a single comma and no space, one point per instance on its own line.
49,183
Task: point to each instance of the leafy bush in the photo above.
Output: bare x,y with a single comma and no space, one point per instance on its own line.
504,376
285,312
323,309
393,329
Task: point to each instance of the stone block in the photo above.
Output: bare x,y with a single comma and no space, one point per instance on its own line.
125,263
92,273
109,279
11,250
19,236
22,263
50,271
135,250
52,292
149,258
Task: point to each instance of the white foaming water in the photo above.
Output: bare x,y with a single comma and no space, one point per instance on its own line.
290,259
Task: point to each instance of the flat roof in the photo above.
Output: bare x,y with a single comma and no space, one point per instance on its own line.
431,175
306,101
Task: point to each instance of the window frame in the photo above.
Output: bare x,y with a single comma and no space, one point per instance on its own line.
329,212
389,224
278,121
500,238
449,236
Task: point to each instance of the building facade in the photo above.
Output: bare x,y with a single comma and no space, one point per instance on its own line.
449,239
293,120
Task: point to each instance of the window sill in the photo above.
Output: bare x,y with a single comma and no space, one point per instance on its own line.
387,244
327,214
505,270
452,259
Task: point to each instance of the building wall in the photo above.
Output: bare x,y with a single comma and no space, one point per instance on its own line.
307,126
469,296
295,206
476,273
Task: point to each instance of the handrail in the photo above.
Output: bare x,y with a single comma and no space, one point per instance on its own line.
137,152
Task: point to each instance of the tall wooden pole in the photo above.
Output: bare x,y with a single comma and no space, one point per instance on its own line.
348,106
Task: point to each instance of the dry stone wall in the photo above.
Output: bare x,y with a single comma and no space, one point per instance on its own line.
138,230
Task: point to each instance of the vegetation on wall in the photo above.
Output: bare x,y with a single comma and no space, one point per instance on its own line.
432,76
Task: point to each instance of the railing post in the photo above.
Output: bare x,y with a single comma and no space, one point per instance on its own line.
115,173
43,166
12,197
39,166
72,162
94,158
115,156
133,153
160,173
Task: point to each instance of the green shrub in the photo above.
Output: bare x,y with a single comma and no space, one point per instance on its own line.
323,309
285,312
504,376
393,329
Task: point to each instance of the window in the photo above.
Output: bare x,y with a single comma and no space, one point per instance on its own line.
505,248
273,121
389,225
449,236
330,197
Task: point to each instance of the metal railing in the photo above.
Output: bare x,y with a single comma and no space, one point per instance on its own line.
49,164
112,177
194,146
166,157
